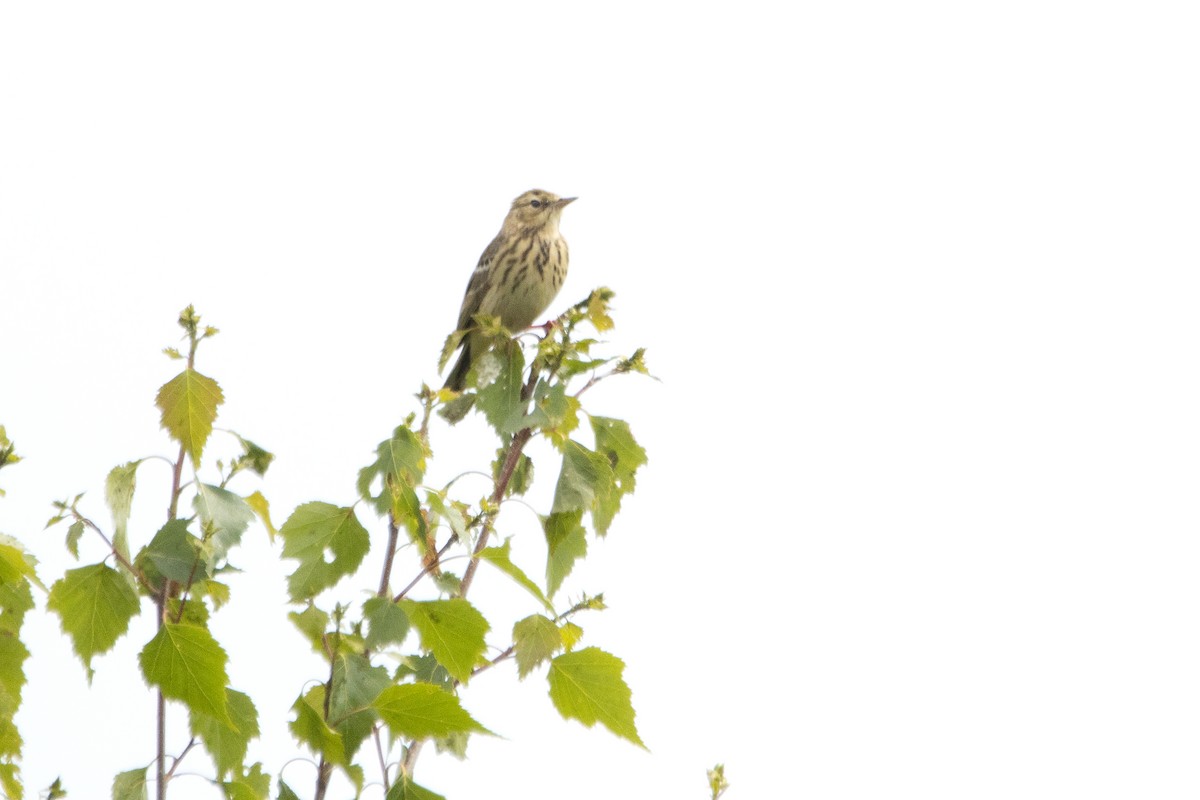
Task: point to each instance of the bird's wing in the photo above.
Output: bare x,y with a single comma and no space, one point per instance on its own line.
478,286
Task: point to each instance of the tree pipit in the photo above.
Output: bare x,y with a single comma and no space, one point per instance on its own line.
518,275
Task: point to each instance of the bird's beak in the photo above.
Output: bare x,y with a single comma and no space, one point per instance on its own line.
565,201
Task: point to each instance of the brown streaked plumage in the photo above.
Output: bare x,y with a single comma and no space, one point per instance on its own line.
518,274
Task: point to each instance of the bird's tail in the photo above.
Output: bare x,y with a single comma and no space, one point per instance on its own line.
458,376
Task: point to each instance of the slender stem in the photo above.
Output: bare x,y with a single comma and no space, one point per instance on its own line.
427,401
324,773
389,556
177,470
160,784
519,440
511,459
410,758
161,603
382,763
325,769
176,481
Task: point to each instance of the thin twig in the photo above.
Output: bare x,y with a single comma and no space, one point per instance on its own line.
171,772
183,597
124,562
592,381
512,648
427,569
506,654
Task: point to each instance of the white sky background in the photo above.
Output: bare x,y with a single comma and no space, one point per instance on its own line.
919,281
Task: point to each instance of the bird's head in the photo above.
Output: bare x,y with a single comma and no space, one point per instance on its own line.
536,209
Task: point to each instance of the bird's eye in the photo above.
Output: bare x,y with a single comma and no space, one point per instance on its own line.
535,203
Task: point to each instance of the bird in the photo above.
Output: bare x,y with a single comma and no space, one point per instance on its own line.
518,275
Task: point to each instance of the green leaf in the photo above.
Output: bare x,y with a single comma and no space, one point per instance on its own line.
253,458
522,474
500,558
189,407
716,781
356,684
130,785
405,789
313,623
175,553
447,583
586,478
187,611
10,784
635,363
587,685
16,599
452,343
399,460
286,793
261,507
455,409
252,785
555,411
571,634
425,669
55,790
118,493
73,535
535,639
500,376
8,453
6,443
214,590
615,441
597,309
406,511
455,744
224,517
241,790
227,744
16,565
95,605
421,710
188,665
309,727
565,544
452,513
329,542
386,622
452,630
13,655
